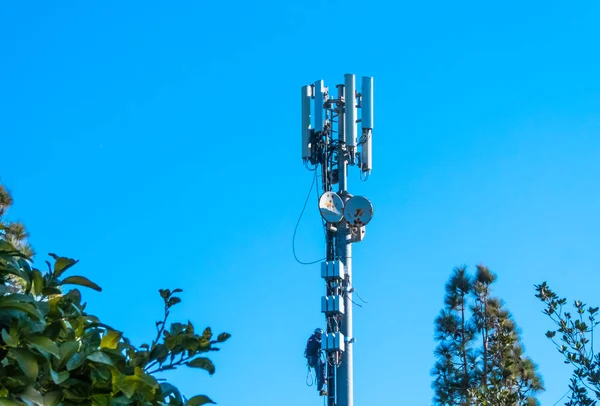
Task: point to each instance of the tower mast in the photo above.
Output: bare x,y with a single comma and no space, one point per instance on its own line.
345,216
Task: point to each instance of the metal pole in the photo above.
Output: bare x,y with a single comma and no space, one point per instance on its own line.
345,375
344,384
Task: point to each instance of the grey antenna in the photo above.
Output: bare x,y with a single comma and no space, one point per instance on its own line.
350,110
367,124
306,130
319,96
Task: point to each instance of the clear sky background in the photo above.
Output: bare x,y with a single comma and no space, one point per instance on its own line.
158,142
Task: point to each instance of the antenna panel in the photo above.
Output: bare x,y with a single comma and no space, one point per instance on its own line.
367,103
366,150
350,110
331,207
306,147
366,157
319,109
358,211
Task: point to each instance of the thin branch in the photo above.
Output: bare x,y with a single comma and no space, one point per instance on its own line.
172,365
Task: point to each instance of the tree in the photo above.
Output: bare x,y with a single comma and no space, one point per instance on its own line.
455,334
479,354
13,231
576,343
53,352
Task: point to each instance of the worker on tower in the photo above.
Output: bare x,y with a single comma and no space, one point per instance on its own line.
313,357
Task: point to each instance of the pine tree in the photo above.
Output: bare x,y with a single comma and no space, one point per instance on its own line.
13,232
455,334
479,352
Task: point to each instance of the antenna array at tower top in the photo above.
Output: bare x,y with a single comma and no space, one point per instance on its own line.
320,120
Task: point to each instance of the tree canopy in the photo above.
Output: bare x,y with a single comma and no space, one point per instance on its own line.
53,352
480,357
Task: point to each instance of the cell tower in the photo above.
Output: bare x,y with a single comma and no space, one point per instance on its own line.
330,144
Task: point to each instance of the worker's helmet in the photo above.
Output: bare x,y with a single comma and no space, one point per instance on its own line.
318,331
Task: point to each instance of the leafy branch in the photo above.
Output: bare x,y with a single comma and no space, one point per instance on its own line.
576,342
53,352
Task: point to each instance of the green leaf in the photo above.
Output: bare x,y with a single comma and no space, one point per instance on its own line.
11,261
43,308
101,399
7,248
102,373
189,329
75,296
207,334
53,330
142,377
59,377
100,357
120,400
81,281
44,345
159,353
38,282
176,328
111,339
173,301
167,390
203,363
199,400
19,297
52,398
14,302
9,402
26,361
9,339
223,337
62,264
67,350
50,291
32,395
125,384
170,341
75,362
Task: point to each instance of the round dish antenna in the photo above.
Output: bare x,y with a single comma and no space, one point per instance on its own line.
331,207
358,211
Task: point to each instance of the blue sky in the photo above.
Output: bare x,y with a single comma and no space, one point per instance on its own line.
158,142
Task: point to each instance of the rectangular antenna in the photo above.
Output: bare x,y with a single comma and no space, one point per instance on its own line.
367,124
319,109
350,110
367,103
306,147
